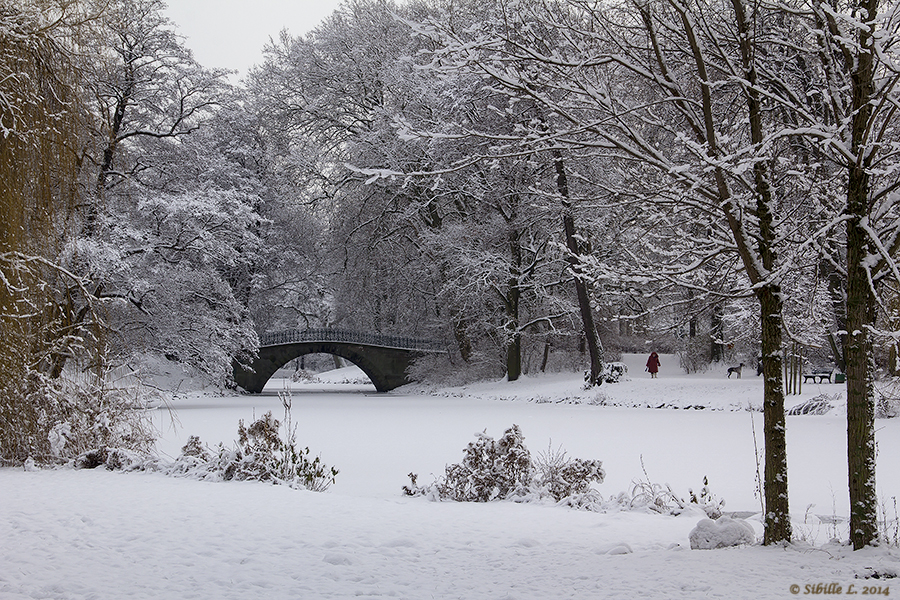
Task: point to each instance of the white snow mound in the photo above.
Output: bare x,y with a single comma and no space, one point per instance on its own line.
724,532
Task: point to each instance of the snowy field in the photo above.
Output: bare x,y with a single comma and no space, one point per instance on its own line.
102,535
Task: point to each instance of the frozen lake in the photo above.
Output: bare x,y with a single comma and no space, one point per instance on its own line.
376,439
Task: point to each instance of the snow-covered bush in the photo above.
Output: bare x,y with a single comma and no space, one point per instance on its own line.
490,469
64,418
612,372
197,461
722,533
653,496
887,407
303,375
263,455
562,477
708,501
114,459
662,499
503,469
194,448
817,405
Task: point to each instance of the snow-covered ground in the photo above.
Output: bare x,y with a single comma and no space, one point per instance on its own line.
98,534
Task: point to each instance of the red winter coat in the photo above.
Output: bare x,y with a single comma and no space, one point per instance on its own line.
653,363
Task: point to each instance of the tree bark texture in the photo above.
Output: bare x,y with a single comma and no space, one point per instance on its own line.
777,519
513,295
861,301
461,334
860,369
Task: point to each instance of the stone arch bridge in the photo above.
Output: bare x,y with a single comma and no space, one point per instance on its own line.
384,358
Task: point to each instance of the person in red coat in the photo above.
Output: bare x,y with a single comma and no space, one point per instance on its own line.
653,364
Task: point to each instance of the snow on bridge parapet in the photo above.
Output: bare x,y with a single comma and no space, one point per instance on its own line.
294,336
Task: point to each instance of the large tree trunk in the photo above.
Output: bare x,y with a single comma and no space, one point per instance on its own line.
595,350
860,369
777,518
461,334
514,356
513,295
513,335
861,302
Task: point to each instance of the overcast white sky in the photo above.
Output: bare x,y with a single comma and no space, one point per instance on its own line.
232,33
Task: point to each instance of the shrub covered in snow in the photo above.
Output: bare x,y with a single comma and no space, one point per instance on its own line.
817,405
57,420
562,477
262,453
655,497
660,498
887,407
490,469
503,469
114,459
264,456
721,533
706,500
612,373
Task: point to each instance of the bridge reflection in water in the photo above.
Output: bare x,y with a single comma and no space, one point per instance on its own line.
384,358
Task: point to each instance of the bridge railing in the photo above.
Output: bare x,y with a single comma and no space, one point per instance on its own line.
293,336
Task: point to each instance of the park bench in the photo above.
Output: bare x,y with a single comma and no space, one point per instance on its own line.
820,375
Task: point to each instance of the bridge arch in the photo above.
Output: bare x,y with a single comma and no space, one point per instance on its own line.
384,359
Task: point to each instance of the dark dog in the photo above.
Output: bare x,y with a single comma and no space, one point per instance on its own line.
736,370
